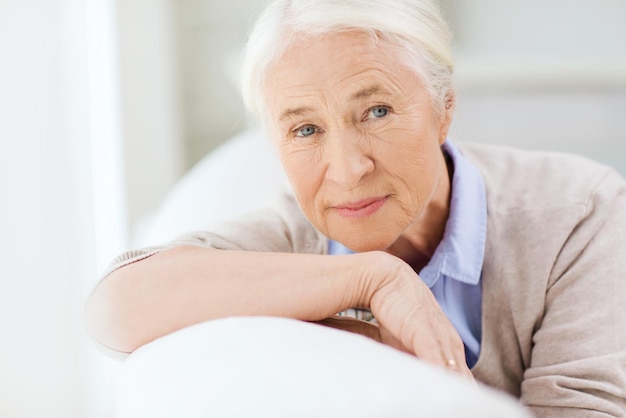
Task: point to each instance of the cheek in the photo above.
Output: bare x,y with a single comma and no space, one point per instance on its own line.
410,157
404,151
304,175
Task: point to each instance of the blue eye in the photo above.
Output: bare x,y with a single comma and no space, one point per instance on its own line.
307,130
378,112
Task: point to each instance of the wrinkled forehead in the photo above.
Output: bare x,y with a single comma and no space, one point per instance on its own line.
339,62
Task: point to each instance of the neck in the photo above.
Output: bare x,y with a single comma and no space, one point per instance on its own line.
419,241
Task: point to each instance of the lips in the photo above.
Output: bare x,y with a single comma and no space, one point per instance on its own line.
361,208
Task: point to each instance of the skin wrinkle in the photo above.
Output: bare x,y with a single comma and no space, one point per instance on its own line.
346,83
352,154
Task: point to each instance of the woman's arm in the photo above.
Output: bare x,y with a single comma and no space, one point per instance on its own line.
578,366
186,285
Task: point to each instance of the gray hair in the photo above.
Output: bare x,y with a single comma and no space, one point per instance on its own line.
415,26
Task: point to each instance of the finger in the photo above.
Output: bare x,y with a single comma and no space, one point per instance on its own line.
456,361
441,345
459,368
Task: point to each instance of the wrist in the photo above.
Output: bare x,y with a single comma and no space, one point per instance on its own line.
375,270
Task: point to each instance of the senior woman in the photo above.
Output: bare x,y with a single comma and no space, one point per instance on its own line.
488,259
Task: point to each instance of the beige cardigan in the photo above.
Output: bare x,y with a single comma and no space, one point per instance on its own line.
554,276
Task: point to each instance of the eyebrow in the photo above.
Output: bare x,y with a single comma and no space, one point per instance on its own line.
295,112
367,92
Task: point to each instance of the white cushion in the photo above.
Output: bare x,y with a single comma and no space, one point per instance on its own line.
275,367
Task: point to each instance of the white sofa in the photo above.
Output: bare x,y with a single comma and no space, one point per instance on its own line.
283,368
275,367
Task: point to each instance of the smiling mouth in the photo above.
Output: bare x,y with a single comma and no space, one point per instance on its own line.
362,208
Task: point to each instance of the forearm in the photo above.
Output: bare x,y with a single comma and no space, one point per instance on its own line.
186,285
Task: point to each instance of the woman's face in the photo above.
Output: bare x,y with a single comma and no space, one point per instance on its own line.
357,137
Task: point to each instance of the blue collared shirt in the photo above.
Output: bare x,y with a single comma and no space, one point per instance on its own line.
453,273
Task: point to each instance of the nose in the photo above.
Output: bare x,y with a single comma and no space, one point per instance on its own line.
348,159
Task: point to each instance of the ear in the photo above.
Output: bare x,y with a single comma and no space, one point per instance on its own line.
446,117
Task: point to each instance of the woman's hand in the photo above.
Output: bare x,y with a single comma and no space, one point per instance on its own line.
410,318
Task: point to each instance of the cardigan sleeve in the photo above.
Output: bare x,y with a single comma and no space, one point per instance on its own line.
578,359
282,228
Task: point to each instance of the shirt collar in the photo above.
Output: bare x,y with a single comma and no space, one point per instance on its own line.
460,253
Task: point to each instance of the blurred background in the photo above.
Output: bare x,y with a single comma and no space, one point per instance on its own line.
105,105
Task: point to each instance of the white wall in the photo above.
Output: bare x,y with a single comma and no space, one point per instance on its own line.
150,102
542,75
47,243
210,36
58,108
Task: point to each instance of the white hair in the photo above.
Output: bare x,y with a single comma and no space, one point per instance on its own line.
415,26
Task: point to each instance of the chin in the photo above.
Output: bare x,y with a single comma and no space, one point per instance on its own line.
366,242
